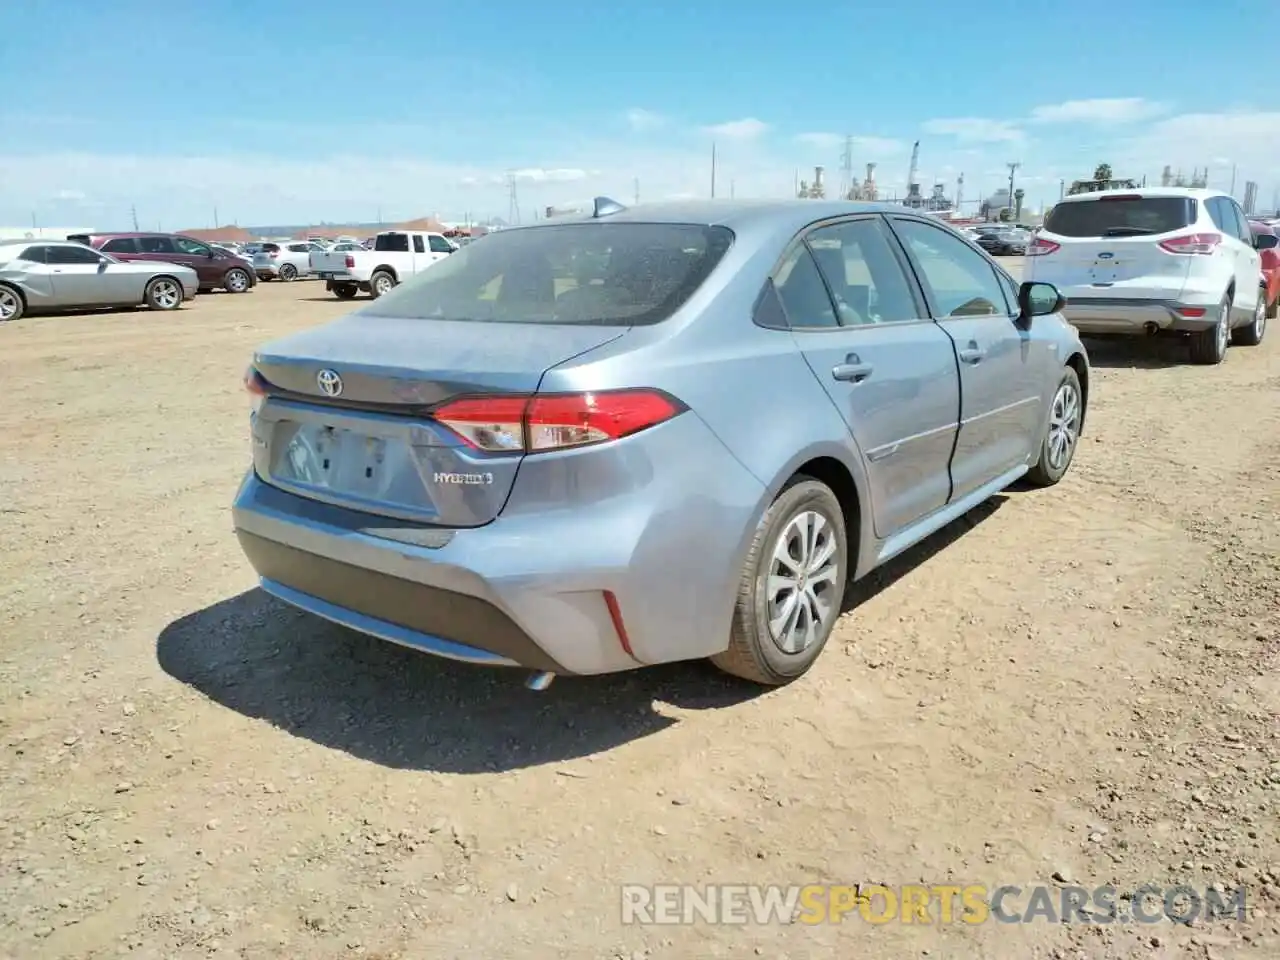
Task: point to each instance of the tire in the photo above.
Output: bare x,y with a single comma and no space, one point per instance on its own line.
1061,432
753,653
1271,308
288,272
163,293
1209,347
381,283
236,280
345,291
1251,335
12,306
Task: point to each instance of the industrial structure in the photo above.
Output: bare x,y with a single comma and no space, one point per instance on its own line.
1198,178
850,189
1250,203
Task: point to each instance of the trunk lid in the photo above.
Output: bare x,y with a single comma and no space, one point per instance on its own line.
331,261
1110,246
369,443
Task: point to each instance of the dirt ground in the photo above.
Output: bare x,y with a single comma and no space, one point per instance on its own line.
1077,684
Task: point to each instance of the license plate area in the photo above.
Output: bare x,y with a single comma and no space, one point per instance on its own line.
343,464
1106,271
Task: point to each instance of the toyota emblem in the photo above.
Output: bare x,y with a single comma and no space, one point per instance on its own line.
329,382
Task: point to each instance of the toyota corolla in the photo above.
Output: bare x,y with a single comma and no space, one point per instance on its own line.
651,434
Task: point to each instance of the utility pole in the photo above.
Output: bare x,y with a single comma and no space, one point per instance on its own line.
215,216
713,169
134,211
33,221
513,200
846,167
1232,191
1013,169
1062,189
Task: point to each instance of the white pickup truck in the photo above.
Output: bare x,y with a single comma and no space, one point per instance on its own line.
396,256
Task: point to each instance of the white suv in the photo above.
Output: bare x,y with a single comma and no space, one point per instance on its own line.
1161,260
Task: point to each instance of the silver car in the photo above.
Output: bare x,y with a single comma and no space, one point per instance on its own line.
42,275
651,435
287,260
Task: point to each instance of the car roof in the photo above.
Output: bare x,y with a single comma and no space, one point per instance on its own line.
740,216
1193,193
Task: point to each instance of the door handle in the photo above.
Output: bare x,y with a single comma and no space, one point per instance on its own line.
972,353
853,370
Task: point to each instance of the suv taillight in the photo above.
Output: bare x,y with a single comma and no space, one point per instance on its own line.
257,387
1040,247
1191,244
351,262
534,424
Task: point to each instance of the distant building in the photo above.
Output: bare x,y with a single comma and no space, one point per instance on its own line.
41,233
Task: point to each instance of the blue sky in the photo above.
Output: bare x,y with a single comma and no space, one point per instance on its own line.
323,110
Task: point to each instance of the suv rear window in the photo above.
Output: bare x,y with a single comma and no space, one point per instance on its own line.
1120,216
605,274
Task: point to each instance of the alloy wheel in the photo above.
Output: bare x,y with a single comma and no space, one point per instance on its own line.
1064,425
801,582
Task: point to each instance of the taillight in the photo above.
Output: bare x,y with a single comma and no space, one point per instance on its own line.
555,421
1040,247
1192,244
257,388
350,262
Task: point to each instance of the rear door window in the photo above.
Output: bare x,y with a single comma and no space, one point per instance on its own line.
156,245
606,274
1121,215
418,245
120,245
862,273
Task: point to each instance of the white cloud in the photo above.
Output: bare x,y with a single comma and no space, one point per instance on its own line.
748,128
975,130
1248,137
1101,111
559,175
641,120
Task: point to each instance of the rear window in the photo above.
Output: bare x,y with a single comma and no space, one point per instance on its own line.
1120,216
270,247
392,242
605,274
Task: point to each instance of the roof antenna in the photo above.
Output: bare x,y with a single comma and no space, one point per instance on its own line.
604,207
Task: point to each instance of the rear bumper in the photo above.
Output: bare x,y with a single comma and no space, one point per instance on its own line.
528,589
266,271
1135,317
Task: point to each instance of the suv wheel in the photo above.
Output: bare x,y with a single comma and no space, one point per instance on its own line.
792,586
1251,335
1210,346
288,272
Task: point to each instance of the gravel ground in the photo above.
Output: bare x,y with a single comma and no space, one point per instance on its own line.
1077,684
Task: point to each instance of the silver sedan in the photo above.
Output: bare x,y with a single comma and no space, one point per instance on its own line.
44,275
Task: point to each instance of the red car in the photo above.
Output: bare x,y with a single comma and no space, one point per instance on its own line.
1266,241
216,268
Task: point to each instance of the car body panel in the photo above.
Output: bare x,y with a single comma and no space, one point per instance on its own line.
56,285
663,519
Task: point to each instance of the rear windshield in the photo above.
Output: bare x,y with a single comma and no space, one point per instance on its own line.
607,274
270,247
1120,216
392,242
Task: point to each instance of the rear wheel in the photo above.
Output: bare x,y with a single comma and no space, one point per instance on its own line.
1251,335
11,304
288,272
792,586
345,291
1210,346
235,280
381,283
1062,433
163,293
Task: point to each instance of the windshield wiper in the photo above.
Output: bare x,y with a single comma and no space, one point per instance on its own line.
1126,232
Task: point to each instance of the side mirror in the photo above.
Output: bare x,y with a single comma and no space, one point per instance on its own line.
1039,299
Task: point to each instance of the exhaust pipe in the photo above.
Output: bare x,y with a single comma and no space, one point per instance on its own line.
539,681
1151,328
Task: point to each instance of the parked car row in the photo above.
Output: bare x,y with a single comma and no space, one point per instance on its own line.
1159,261
216,268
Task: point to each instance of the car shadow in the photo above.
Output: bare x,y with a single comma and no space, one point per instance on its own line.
402,709
880,579
362,298
407,710
1139,353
